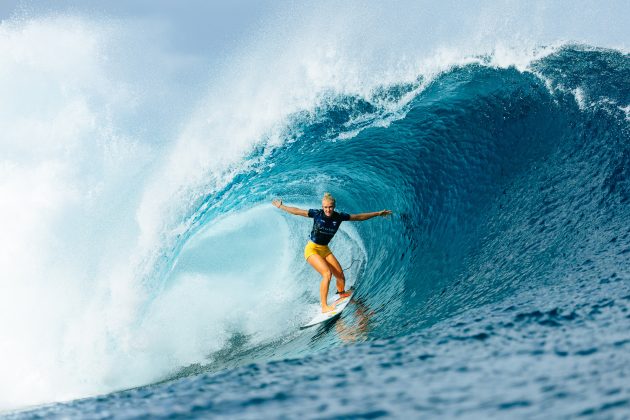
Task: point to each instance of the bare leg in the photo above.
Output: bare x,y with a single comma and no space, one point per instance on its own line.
322,268
337,271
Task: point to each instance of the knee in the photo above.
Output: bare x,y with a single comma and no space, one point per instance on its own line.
327,275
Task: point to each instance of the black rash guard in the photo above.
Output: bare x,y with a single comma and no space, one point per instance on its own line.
324,228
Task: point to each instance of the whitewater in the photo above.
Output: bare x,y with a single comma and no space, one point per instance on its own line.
144,271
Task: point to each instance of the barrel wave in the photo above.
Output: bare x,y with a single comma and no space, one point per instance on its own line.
499,179
509,190
499,287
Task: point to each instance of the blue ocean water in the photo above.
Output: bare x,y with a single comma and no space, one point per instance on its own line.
499,288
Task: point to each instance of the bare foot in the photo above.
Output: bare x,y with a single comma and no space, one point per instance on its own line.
343,295
327,308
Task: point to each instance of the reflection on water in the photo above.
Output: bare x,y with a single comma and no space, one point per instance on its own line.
351,326
356,326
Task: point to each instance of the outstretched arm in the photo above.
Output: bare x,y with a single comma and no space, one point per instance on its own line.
292,210
365,216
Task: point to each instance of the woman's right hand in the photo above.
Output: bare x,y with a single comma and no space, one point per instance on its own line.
276,202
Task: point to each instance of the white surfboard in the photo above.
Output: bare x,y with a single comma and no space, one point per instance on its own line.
327,316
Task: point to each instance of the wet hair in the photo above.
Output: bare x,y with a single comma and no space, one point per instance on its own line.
329,197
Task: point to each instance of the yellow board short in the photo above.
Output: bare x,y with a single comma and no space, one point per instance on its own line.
312,248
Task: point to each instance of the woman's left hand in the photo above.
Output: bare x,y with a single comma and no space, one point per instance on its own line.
384,212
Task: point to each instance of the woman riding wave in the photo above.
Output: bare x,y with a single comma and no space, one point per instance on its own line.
326,222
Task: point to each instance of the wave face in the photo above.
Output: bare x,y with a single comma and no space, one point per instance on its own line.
491,172
508,245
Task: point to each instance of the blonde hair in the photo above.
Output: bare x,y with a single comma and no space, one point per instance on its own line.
329,197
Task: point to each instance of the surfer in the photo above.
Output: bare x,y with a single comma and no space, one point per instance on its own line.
326,221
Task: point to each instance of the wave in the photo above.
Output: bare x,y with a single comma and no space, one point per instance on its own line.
480,165
151,249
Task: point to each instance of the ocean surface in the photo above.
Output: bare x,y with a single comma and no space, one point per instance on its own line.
153,278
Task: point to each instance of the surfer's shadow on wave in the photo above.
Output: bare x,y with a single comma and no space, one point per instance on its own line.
351,325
